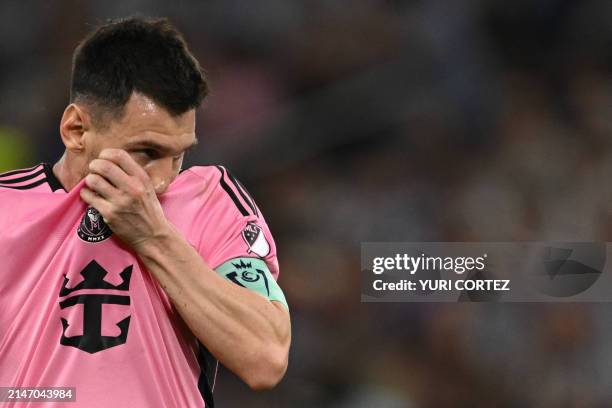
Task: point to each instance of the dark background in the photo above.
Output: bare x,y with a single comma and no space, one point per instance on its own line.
353,121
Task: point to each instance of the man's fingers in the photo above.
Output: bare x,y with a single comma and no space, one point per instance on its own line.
122,159
111,172
100,185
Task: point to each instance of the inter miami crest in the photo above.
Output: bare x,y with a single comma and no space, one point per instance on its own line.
92,339
255,239
92,227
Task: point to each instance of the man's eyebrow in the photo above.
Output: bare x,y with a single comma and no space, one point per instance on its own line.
147,144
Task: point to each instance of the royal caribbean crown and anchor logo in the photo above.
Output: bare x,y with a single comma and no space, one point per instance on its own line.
92,339
92,227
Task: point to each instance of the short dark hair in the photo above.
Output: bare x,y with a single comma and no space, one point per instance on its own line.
138,54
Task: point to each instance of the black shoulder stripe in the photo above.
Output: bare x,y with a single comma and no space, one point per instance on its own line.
20,171
230,193
243,192
22,179
27,186
54,183
208,372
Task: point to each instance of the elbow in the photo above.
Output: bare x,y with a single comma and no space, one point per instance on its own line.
268,363
269,371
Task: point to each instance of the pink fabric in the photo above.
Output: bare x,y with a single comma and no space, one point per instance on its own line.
157,365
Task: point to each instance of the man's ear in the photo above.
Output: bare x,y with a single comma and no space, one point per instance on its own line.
75,122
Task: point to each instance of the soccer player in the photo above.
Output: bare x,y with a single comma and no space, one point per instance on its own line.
120,275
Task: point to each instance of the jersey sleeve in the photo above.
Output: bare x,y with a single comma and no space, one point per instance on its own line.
235,239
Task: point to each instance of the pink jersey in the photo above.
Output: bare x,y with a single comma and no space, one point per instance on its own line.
78,309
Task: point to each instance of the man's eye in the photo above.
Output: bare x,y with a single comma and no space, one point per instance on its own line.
148,153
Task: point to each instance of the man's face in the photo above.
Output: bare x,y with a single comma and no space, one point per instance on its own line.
156,140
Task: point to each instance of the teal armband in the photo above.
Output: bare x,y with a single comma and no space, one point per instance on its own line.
253,274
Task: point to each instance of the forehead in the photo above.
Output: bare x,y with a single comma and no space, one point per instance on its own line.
144,120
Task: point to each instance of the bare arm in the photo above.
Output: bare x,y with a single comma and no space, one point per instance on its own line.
247,333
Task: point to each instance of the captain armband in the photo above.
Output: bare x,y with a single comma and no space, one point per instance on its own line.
253,274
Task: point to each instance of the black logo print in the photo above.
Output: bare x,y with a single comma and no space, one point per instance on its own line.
92,340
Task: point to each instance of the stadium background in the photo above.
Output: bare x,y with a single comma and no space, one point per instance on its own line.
376,120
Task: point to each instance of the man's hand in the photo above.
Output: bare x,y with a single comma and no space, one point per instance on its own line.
124,195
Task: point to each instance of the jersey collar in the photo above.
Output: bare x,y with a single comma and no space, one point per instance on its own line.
53,182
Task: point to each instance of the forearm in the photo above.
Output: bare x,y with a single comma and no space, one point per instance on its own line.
247,333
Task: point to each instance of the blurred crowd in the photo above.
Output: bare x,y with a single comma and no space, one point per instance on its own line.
381,120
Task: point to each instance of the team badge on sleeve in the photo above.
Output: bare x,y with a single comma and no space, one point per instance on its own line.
255,238
92,227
